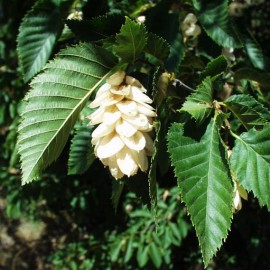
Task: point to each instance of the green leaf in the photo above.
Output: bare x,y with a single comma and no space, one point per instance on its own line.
52,106
131,41
129,250
251,46
215,67
253,75
165,116
203,177
96,29
115,250
155,255
117,190
157,47
200,104
214,18
250,161
248,111
152,175
177,54
176,231
38,33
81,154
254,52
164,23
142,255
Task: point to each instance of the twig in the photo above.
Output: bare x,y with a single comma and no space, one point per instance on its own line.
177,82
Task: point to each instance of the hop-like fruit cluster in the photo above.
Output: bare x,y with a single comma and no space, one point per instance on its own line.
189,26
124,117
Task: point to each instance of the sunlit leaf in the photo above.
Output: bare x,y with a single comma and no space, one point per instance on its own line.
200,104
203,178
131,41
52,106
81,154
250,162
38,33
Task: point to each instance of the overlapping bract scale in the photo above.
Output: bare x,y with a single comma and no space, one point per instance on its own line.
124,118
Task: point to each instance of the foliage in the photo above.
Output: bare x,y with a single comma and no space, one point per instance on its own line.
208,191
211,132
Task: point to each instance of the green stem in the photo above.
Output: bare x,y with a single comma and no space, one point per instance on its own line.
235,135
234,113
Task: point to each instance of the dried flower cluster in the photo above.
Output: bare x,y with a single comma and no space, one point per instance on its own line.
76,15
122,141
189,26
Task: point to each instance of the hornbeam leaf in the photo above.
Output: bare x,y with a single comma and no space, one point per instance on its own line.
158,47
250,161
81,154
215,67
38,33
98,28
131,41
254,52
214,18
248,111
205,185
253,49
262,78
52,106
152,175
200,104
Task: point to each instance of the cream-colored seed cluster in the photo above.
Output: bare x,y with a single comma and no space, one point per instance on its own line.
189,26
121,139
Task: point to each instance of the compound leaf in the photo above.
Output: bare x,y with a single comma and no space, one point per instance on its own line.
203,177
52,106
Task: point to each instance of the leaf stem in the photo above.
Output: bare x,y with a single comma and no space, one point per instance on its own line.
177,82
234,135
235,114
